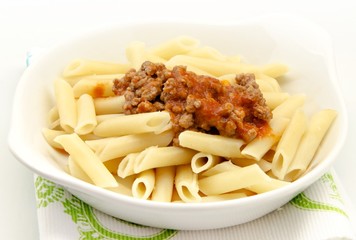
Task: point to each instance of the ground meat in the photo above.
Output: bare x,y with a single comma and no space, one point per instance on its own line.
196,102
142,88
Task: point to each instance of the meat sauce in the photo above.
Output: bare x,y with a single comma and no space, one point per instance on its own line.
197,102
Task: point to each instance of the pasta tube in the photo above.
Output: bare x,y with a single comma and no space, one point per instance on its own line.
66,105
50,135
232,180
208,53
203,161
135,53
125,185
95,88
219,168
133,124
121,146
288,144
77,172
86,115
288,107
143,185
243,162
274,99
53,118
86,160
213,144
311,140
126,166
97,144
155,157
260,146
81,67
176,46
186,183
223,197
109,105
164,186
218,68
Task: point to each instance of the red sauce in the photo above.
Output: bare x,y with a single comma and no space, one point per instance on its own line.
219,105
197,102
99,90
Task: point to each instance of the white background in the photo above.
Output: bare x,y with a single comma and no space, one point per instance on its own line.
28,24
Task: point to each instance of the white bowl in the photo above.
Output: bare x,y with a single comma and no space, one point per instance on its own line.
300,44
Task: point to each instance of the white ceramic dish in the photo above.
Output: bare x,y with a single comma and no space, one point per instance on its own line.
300,44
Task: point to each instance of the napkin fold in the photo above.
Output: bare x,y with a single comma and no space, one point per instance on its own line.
323,211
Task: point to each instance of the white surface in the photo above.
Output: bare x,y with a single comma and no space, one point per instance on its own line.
25,24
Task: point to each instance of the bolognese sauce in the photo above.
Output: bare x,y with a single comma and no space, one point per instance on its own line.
196,102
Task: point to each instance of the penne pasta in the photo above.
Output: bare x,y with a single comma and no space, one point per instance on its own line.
265,86
109,105
274,99
86,160
95,88
86,117
244,162
213,144
121,146
97,144
164,186
274,70
317,129
126,166
288,107
186,183
203,161
266,186
143,185
176,46
208,53
261,145
156,157
50,135
156,122
124,185
263,186
77,172
272,82
103,117
89,136
288,144
81,67
232,180
218,68
66,105
219,168
223,197
135,53
53,118
112,165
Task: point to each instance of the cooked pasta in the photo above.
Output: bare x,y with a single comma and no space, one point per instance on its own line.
182,122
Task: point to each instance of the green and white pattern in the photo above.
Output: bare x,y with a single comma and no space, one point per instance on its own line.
321,201
88,219
302,201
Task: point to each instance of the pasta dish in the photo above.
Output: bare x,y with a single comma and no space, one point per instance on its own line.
182,122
